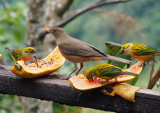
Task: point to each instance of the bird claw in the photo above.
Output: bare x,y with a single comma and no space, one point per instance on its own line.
142,65
64,78
116,79
102,81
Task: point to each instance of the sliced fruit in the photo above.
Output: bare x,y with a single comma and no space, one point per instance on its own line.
81,83
136,68
45,66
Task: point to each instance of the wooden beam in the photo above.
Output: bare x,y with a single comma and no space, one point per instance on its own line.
53,89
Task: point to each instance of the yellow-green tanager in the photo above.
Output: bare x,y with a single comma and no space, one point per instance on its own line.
21,54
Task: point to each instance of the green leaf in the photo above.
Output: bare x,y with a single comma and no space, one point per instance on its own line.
114,49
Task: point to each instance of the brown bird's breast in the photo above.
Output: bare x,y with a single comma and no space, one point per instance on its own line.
80,59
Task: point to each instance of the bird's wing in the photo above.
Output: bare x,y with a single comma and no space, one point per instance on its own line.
111,72
15,53
144,50
76,47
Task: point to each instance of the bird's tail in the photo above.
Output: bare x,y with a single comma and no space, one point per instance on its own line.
133,74
8,48
11,53
158,54
117,59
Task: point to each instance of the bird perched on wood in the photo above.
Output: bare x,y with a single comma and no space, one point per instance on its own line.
106,71
78,51
21,54
140,51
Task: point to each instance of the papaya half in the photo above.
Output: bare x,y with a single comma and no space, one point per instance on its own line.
43,67
81,83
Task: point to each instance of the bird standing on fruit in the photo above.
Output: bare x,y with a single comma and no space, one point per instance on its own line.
78,51
106,71
21,54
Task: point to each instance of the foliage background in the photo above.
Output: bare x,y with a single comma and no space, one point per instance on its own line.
134,21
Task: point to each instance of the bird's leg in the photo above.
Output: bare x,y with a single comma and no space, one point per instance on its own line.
81,66
75,68
102,81
116,79
143,64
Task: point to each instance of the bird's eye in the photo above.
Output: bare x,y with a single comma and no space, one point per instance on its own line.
54,29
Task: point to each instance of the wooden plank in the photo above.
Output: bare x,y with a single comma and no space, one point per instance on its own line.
53,89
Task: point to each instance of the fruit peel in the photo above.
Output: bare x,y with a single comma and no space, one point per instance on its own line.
126,91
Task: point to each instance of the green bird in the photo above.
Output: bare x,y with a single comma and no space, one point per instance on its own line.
140,51
21,54
106,71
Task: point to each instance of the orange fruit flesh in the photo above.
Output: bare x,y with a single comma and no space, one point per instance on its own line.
45,66
81,83
136,68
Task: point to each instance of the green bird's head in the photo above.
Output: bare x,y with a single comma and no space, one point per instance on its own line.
90,73
29,50
27,53
126,48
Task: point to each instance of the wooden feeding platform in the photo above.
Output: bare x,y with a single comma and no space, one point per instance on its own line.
52,88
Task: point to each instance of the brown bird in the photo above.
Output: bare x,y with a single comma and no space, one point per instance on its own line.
78,51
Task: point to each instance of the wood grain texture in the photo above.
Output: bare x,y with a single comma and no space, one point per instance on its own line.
53,89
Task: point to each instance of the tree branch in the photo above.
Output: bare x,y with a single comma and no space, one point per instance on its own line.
154,79
87,8
82,11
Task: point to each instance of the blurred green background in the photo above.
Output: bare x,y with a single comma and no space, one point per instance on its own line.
136,21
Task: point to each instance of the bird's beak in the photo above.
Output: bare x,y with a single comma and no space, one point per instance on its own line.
47,29
122,52
33,51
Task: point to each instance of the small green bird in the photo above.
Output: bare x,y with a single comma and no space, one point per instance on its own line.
21,54
140,51
106,71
